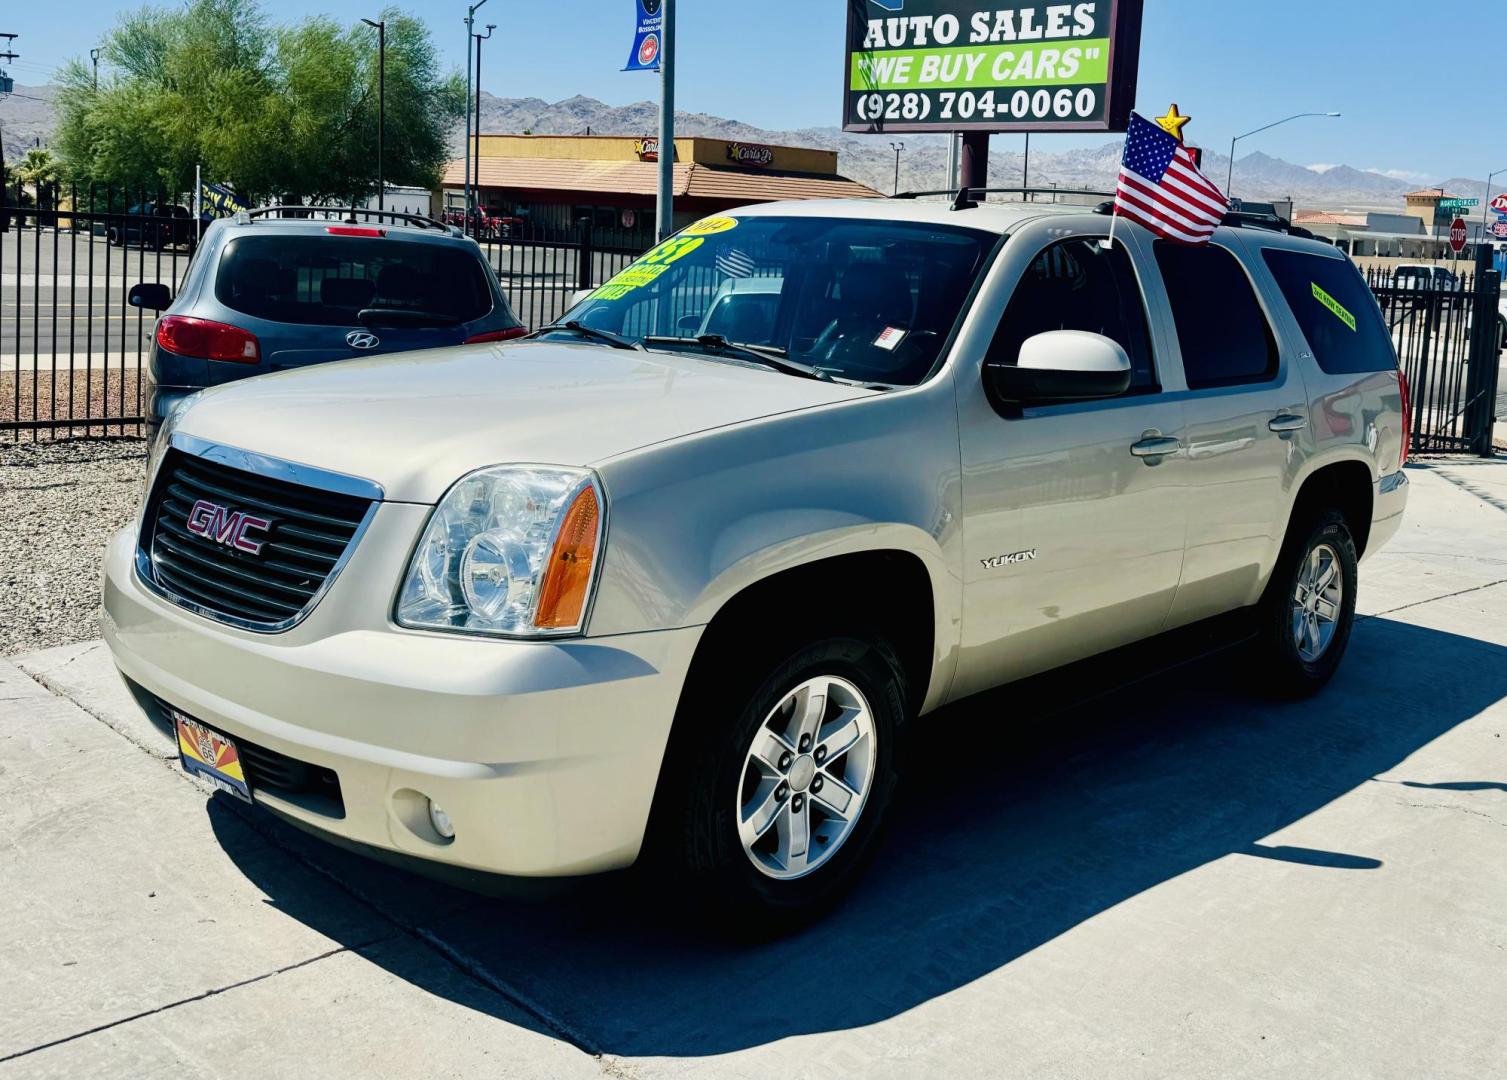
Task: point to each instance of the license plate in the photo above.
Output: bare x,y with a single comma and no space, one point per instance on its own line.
211,755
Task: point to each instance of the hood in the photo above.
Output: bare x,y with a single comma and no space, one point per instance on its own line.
417,422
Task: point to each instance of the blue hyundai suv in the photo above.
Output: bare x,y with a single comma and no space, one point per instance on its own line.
266,292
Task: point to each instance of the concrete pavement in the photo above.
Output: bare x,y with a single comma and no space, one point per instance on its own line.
1176,879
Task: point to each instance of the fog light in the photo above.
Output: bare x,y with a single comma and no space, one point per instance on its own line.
440,820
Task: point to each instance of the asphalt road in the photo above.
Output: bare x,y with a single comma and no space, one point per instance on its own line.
1179,879
64,295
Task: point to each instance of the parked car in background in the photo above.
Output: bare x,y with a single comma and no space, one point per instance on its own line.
1423,276
267,293
638,589
157,226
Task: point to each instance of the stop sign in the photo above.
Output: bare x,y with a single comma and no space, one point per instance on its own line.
1457,235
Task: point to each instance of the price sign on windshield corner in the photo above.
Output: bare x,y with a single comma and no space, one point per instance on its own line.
971,65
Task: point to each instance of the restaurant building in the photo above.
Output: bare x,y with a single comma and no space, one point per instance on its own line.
547,183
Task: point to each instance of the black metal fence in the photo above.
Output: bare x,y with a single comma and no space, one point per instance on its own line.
74,353
1448,335
71,348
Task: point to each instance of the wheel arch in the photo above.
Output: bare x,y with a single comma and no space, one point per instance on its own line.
1346,484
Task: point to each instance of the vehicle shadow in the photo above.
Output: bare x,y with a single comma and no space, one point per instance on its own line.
1020,819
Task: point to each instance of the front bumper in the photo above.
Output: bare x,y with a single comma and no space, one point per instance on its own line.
544,754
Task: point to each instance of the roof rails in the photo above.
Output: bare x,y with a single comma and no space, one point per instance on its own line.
1244,219
963,197
350,218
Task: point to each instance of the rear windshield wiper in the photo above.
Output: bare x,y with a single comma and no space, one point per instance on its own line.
604,336
382,316
767,355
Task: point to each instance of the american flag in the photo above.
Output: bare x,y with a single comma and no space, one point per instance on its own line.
1161,187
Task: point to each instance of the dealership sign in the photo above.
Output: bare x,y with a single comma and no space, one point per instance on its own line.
971,65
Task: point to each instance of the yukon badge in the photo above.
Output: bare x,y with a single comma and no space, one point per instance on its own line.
1008,560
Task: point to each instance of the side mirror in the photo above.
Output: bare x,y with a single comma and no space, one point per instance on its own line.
688,324
1061,365
151,295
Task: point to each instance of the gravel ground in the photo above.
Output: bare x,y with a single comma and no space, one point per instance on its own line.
59,503
70,395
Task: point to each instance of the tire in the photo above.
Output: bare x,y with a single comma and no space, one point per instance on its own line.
1288,612
112,236
718,792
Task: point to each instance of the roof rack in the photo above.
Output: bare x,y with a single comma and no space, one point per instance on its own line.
350,218
963,197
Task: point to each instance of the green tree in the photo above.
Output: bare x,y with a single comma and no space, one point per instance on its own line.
273,111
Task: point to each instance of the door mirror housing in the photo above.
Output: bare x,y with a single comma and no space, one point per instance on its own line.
153,296
1058,366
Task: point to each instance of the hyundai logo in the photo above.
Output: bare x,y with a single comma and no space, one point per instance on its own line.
362,339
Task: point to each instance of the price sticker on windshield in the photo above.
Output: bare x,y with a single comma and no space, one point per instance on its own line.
710,226
655,262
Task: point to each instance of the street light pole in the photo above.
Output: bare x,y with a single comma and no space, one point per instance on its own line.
1230,178
479,39
664,202
897,147
94,56
381,104
470,21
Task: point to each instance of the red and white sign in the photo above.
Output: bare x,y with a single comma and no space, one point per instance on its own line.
1499,204
1499,230
648,52
1457,235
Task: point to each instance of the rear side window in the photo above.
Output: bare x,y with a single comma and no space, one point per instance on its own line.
1079,285
1335,311
321,280
1221,328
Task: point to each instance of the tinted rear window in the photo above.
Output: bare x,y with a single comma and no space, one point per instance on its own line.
1221,328
326,280
1335,311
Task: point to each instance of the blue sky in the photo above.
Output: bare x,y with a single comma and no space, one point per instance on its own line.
1386,65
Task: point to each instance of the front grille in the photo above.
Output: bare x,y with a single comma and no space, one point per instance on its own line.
307,534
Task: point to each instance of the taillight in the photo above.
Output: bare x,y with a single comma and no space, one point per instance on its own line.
1407,417
353,230
206,339
498,335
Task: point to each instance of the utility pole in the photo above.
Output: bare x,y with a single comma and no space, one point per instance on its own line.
94,58
897,147
470,21
381,28
665,204
1025,173
479,39
973,161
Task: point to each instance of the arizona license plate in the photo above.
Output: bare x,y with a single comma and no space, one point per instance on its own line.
211,755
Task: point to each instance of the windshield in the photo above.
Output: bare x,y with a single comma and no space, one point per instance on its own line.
322,280
871,301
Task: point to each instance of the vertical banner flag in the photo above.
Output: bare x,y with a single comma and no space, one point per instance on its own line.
1161,187
648,20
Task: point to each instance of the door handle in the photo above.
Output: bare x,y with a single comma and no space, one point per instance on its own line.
1284,422
1157,447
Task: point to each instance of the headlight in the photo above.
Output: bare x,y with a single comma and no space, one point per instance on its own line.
510,550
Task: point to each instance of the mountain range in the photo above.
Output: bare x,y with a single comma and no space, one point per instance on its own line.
27,117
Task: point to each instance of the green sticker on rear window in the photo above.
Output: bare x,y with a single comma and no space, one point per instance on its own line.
1333,305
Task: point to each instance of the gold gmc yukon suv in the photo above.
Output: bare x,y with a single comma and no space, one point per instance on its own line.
666,578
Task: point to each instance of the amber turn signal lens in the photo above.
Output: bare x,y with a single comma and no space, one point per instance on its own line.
562,597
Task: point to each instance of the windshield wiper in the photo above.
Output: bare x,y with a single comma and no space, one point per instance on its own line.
604,336
767,355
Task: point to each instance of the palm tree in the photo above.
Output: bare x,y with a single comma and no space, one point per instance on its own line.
42,171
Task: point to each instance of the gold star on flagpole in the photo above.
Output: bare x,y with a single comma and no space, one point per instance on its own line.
1173,122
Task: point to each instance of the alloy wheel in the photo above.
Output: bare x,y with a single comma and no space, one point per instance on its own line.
806,777
1317,601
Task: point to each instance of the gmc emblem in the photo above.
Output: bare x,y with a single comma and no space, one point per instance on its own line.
228,527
